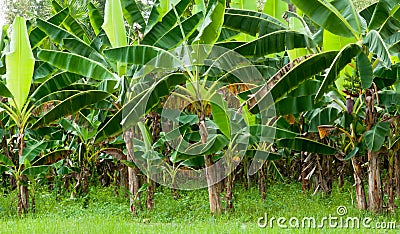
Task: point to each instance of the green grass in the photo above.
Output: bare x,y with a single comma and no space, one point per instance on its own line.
102,212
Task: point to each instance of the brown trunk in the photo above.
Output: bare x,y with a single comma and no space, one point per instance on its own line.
215,203
23,198
374,183
261,182
150,195
133,177
391,184
397,173
374,180
304,181
229,191
23,193
360,192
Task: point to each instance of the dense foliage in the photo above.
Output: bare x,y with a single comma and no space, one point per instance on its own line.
86,95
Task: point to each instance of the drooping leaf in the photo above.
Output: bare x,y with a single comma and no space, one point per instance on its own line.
20,63
352,153
365,69
76,64
140,54
376,45
35,170
342,59
327,16
271,43
71,105
292,79
132,13
168,21
31,152
174,37
4,92
96,19
55,83
37,36
210,29
375,137
53,157
4,160
386,17
307,145
113,126
251,22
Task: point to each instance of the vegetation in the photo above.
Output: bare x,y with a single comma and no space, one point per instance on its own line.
201,94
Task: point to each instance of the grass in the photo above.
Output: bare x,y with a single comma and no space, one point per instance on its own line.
102,212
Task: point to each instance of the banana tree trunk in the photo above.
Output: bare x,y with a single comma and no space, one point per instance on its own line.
397,173
390,184
374,182
133,177
23,193
360,192
374,178
215,203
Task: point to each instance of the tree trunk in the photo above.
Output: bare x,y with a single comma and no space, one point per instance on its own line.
397,173
23,193
360,192
374,182
215,203
304,181
262,183
229,191
133,178
150,194
390,184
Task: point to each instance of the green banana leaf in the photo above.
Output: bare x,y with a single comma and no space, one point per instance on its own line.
53,157
276,9
35,170
307,145
327,16
210,29
71,105
4,92
339,63
76,64
54,84
37,36
244,4
113,126
364,67
5,161
95,17
166,24
386,18
275,42
31,152
132,13
251,22
389,98
292,79
174,37
375,137
114,25
20,63
376,45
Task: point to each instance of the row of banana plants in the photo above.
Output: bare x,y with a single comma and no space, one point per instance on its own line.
195,92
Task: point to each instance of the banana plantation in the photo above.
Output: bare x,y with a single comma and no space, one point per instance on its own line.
139,96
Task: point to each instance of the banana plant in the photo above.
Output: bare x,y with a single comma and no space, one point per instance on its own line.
359,51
